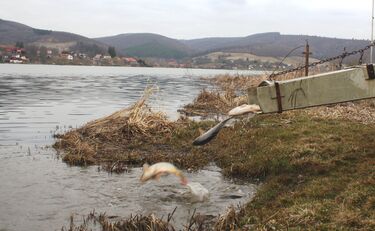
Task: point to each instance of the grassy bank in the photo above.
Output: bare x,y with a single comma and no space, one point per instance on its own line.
316,173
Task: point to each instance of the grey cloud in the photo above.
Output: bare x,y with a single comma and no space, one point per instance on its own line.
193,18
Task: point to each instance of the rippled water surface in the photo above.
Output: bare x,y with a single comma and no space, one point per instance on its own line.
39,192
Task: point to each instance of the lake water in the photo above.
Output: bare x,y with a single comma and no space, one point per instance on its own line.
39,192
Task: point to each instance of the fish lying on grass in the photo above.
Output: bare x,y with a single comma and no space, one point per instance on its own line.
210,134
155,171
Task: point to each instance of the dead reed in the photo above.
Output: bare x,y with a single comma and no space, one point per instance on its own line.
197,222
113,138
227,93
361,111
133,223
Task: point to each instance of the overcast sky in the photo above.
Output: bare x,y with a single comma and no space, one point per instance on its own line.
186,19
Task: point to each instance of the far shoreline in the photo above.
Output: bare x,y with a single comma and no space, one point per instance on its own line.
50,64
233,71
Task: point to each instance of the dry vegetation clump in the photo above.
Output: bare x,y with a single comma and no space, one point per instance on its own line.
230,220
227,93
211,103
236,83
362,111
136,121
197,222
136,223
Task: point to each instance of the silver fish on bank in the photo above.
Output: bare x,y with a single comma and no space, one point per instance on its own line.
210,134
237,111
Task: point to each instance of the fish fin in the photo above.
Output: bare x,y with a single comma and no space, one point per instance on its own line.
145,166
183,179
157,176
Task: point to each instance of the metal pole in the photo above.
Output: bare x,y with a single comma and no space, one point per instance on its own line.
307,53
372,30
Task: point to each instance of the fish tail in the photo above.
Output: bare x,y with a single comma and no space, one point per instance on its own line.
182,177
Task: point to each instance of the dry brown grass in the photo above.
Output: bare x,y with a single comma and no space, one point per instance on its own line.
236,83
230,220
197,222
112,138
228,92
134,223
138,120
212,103
361,111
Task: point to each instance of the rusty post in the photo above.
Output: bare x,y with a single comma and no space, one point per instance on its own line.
307,53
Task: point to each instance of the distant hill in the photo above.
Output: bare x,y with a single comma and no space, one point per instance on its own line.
144,45
271,44
147,45
13,32
275,44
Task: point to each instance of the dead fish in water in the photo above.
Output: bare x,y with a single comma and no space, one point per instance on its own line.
210,134
243,109
155,171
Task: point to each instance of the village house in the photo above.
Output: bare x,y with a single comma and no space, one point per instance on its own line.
67,55
12,54
172,63
49,53
97,57
130,60
82,55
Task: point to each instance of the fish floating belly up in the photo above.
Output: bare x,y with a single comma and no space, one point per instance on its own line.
155,171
